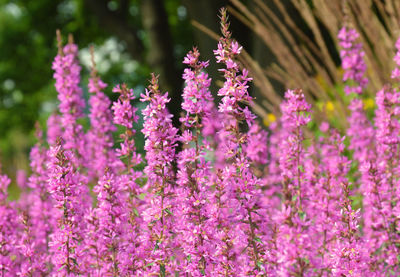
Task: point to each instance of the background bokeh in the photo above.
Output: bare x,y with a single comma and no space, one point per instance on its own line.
288,44
132,38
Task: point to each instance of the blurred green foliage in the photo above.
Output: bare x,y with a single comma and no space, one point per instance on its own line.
28,46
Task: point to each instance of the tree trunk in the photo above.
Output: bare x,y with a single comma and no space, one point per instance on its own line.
160,55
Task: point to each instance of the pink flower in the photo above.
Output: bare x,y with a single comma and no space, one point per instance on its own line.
352,60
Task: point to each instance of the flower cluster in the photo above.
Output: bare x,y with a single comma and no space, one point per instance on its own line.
160,146
220,196
69,192
396,71
99,136
67,75
194,171
352,60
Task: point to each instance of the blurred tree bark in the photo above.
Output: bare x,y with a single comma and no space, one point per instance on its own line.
116,22
159,54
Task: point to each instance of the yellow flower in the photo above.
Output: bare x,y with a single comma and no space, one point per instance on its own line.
329,106
369,103
269,119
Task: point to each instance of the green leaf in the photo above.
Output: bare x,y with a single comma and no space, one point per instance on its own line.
75,262
258,239
302,215
162,270
260,265
168,211
156,246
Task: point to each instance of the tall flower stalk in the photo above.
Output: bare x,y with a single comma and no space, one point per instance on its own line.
99,137
240,184
8,231
124,114
382,179
161,141
111,218
194,172
65,187
352,61
294,236
67,75
361,130
41,212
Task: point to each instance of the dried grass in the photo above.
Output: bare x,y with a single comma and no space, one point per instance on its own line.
304,60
